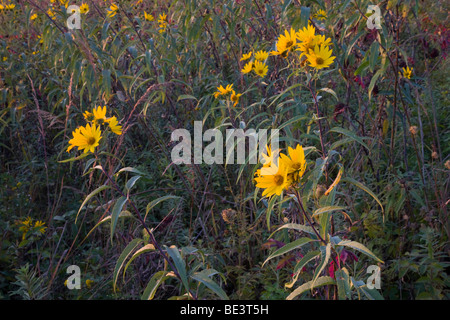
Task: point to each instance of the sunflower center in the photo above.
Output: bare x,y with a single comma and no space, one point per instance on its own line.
91,141
319,61
278,179
100,121
296,165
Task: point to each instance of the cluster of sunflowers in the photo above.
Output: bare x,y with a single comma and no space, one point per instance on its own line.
234,97
88,138
280,171
314,48
27,226
258,65
7,7
162,18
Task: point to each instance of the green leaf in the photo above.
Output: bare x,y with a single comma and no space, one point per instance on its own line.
321,281
349,134
289,247
131,182
204,277
122,214
180,265
84,155
374,53
306,258
327,209
186,96
92,194
157,279
295,226
125,253
359,247
144,249
363,187
155,202
115,214
325,252
343,284
330,91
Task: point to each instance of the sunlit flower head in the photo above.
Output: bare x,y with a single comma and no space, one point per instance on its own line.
85,138
320,57
246,56
114,126
295,161
261,55
407,72
306,36
223,91
261,68
235,98
148,16
84,8
274,180
286,43
112,11
321,15
248,67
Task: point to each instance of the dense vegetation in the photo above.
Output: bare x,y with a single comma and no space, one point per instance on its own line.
364,131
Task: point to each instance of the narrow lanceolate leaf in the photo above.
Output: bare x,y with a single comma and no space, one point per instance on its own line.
89,197
349,134
131,182
327,209
325,252
84,155
289,247
321,281
343,284
359,247
157,279
180,265
204,277
298,267
155,202
363,187
294,226
336,181
125,253
115,214
144,249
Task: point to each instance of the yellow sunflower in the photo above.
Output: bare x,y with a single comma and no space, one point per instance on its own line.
235,98
321,15
99,115
84,8
261,68
286,43
223,91
113,9
261,55
274,180
246,56
148,16
86,138
295,162
114,126
320,57
307,37
248,67
407,72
